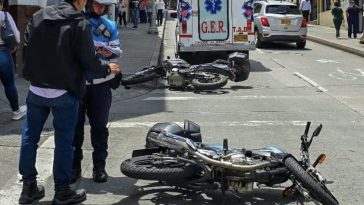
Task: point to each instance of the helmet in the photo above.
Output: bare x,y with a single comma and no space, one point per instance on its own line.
107,2
92,14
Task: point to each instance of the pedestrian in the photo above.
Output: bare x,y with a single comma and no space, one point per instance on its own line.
122,13
97,100
58,49
305,7
352,17
142,11
134,6
149,8
7,68
160,6
338,19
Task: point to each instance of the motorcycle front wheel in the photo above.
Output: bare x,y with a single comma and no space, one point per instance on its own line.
317,190
151,168
209,81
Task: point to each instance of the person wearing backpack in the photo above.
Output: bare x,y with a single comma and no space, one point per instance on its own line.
7,66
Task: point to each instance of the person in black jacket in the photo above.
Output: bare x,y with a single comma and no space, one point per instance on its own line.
58,51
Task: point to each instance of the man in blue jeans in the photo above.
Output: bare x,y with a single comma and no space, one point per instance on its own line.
134,6
58,51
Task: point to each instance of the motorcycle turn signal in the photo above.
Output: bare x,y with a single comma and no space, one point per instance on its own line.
320,159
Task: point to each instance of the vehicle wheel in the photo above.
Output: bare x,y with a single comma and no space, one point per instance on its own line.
258,41
209,81
185,56
301,44
140,77
314,187
154,168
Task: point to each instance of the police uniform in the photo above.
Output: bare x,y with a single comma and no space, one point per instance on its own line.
97,100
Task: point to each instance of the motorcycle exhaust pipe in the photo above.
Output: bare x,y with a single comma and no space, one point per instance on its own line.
229,165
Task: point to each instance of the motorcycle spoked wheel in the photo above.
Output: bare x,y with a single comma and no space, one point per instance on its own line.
209,81
317,190
151,168
141,77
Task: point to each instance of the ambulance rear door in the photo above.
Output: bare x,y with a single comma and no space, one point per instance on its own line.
242,22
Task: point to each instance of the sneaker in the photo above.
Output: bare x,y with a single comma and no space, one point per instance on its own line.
20,113
68,196
31,192
99,175
76,175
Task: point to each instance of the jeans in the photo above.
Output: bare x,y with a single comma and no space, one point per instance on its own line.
96,103
160,16
135,17
7,78
64,110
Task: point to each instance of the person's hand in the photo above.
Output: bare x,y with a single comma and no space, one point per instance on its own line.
14,49
104,52
114,68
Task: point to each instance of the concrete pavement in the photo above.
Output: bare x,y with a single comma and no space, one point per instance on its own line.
326,35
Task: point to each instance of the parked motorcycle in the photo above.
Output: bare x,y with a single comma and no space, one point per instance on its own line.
177,157
182,75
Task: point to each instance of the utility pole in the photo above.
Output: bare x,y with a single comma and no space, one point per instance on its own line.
153,28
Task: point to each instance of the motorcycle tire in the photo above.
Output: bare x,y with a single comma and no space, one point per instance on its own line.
317,190
142,167
140,77
216,82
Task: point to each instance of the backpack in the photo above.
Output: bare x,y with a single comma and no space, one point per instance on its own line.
7,34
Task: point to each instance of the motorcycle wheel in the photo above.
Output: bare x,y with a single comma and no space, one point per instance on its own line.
140,77
314,187
210,83
147,168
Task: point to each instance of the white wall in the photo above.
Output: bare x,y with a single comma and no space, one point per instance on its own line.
41,3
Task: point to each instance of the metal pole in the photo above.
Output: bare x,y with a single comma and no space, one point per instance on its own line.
153,27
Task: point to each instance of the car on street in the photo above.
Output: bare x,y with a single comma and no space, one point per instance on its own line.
278,21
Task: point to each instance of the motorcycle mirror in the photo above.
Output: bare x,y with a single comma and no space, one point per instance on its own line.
317,131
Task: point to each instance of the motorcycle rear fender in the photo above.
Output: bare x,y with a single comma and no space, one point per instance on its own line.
237,61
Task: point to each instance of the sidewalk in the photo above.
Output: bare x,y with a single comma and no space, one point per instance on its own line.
140,49
326,35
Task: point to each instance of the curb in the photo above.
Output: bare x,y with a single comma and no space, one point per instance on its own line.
336,45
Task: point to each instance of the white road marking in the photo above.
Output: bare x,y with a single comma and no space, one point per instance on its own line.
260,51
314,84
251,123
243,97
326,61
10,193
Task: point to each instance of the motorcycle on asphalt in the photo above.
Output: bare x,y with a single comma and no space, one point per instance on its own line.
177,157
181,75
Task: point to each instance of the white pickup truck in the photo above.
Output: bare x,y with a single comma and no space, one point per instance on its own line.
214,25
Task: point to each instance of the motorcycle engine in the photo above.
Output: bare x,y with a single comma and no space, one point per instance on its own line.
175,79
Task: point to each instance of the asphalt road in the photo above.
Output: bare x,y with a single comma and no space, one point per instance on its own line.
286,88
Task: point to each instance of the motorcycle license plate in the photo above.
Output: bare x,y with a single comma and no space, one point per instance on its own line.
286,21
240,37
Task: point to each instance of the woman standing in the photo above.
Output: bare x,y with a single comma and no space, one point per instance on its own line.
338,14
7,76
122,12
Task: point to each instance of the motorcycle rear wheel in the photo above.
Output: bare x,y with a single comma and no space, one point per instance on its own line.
147,168
211,83
141,77
313,186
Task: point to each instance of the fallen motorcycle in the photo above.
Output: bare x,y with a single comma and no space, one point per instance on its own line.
182,75
177,157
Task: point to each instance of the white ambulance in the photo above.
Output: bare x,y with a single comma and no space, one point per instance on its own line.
214,25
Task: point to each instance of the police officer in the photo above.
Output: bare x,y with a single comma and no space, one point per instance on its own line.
97,100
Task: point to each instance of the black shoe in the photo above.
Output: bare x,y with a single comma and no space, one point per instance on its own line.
99,175
76,175
68,196
31,192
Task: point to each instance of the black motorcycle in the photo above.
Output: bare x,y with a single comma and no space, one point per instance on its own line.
182,75
176,156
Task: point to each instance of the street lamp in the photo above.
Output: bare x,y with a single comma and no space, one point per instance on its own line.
153,27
